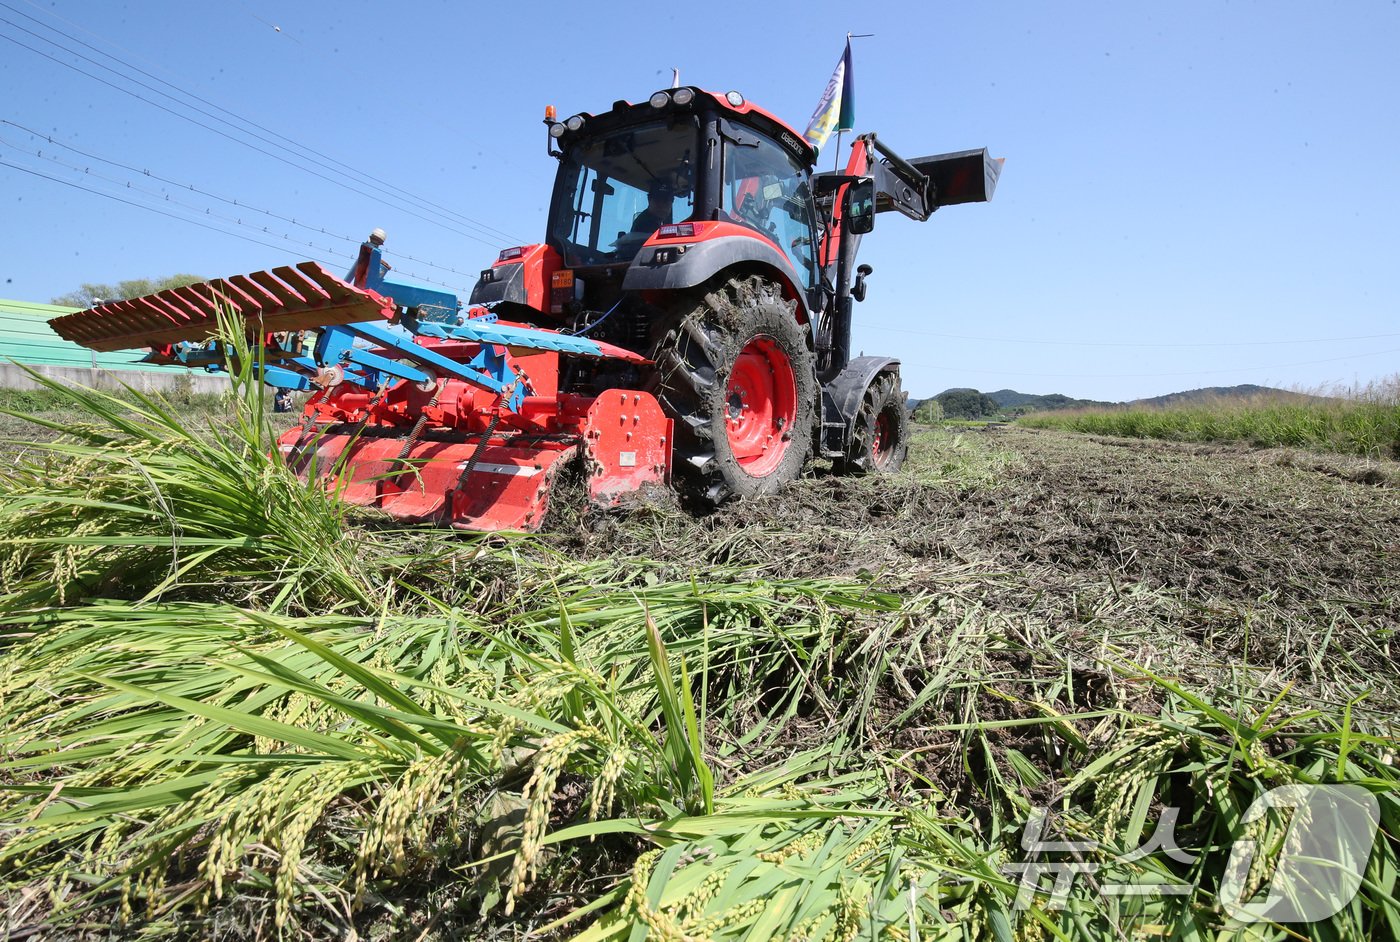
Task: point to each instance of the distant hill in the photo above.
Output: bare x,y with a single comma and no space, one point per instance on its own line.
968,403
1011,399
1243,391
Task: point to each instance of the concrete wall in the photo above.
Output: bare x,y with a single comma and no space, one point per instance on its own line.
26,337
165,381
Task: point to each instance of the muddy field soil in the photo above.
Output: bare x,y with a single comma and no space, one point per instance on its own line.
1204,560
1219,521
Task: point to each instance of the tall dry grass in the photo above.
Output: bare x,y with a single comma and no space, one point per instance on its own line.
1359,420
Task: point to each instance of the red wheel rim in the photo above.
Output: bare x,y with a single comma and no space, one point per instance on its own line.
760,404
885,435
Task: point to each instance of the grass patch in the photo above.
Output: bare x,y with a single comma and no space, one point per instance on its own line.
952,457
48,399
131,500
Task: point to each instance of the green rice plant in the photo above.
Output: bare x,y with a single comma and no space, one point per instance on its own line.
190,731
612,746
135,772
131,500
189,748
909,869
787,852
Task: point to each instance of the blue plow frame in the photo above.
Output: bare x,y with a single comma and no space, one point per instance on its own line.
423,312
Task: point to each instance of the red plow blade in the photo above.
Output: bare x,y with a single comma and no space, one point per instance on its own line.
284,299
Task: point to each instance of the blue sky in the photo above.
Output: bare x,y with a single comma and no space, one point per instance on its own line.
1195,193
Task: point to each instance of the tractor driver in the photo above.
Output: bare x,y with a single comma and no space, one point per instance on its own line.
660,198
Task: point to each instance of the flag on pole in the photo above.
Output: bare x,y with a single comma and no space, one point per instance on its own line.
836,111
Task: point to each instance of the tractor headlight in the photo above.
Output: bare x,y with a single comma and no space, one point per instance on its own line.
683,96
574,122
734,98
659,100
556,129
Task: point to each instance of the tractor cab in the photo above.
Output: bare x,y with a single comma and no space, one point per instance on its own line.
615,190
659,171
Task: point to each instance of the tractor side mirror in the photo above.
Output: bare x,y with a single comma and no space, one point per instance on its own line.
859,216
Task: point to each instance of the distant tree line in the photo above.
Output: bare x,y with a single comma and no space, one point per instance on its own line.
89,294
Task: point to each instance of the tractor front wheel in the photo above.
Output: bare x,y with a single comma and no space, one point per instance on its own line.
880,437
736,374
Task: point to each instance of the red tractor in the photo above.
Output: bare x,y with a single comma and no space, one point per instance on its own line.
686,319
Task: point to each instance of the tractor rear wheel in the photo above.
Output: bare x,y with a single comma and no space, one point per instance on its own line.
737,375
880,438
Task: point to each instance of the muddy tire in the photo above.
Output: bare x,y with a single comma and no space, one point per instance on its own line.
880,439
736,373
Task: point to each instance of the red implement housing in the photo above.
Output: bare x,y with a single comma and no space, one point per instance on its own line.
450,455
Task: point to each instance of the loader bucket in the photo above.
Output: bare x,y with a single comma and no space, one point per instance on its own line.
306,297
968,176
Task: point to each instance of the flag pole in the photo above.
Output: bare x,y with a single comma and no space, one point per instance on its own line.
836,164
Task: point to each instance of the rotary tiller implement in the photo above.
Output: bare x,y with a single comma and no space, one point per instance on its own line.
687,319
458,420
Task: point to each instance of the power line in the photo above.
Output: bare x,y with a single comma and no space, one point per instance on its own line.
193,222
262,21
242,119
165,197
1124,343
241,204
209,213
223,134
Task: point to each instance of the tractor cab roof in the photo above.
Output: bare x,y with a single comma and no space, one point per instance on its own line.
679,102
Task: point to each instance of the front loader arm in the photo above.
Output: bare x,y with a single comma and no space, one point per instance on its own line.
914,188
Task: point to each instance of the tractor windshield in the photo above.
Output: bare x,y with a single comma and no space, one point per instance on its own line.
616,189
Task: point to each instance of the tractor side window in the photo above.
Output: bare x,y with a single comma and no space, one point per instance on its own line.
614,191
766,189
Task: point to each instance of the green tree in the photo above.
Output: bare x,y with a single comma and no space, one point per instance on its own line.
89,294
967,404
